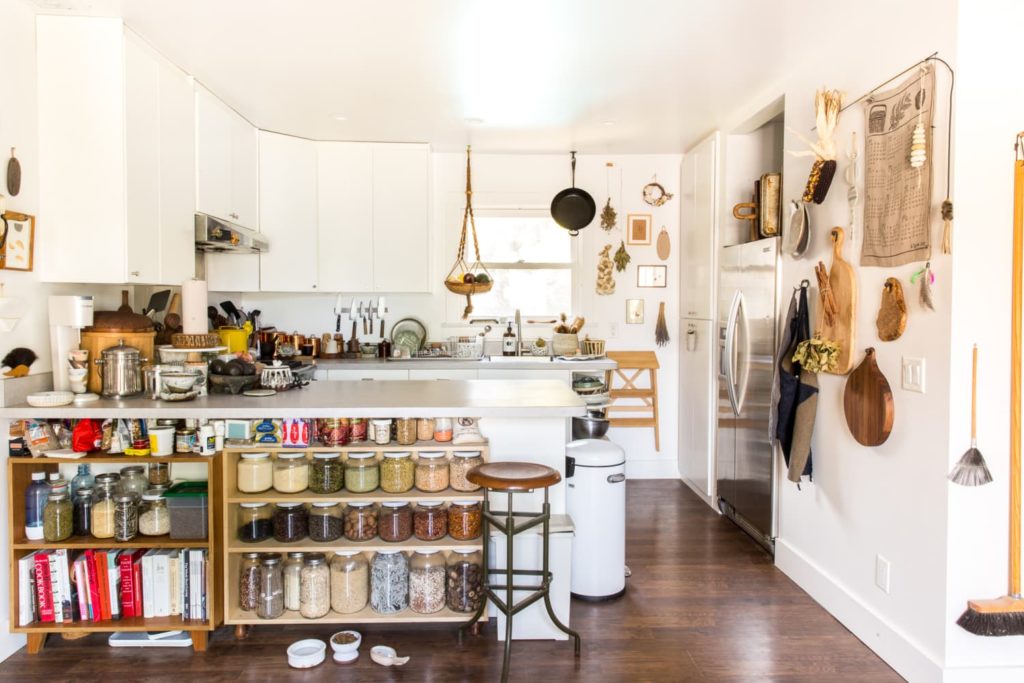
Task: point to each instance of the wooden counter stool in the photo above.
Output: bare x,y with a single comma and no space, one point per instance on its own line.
512,478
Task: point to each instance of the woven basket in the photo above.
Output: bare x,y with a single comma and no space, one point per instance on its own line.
593,347
195,341
465,288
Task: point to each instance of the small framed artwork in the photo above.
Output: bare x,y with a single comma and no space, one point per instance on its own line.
638,228
634,311
17,237
651,276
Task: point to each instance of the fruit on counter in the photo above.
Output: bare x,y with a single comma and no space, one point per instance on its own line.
218,367
236,367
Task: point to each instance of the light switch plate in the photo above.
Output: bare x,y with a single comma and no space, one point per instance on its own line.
882,572
913,374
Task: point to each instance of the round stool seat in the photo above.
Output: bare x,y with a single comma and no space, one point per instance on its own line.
513,476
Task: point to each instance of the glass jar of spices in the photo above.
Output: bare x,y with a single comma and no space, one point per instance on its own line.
389,582
425,428
397,472
382,432
126,517
315,592
81,512
154,517
405,431
326,473
431,471
360,521
271,599
395,522
350,581
462,462
103,505
159,474
362,473
325,523
254,473
291,574
426,582
443,429
184,440
465,520
291,522
291,473
255,522
134,481
465,580
249,581
58,517
430,521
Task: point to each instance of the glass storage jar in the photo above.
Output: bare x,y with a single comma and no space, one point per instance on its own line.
425,428
357,429
134,481
395,522
159,474
291,522
154,518
58,517
430,521
465,580
315,593
82,512
103,505
350,581
462,462
389,582
249,581
333,431
397,472
360,521
291,573
426,582
465,519
362,473
431,471
126,517
291,473
381,432
405,431
326,473
271,600
325,522
254,473
83,479
255,522
443,429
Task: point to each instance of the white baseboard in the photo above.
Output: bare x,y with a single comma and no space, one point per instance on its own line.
10,642
898,650
652,469
988,674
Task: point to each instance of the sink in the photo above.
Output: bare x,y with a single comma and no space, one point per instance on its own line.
519,359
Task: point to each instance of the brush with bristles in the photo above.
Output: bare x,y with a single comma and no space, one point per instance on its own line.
971,469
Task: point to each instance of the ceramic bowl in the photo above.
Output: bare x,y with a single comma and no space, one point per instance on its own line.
340,648
304,654
178,382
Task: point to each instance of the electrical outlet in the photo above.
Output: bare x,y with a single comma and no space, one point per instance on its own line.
613,330
913,374
882,571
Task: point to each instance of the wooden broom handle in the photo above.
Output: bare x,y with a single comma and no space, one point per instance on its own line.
1015,368
974,395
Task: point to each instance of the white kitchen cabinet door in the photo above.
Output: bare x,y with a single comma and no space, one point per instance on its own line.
177,176
367,374
245,173
698,208
213,155
401,202
345,207
517,373
696,402
142,161
288,213
442,374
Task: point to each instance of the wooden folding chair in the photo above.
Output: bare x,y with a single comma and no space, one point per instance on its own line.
632,365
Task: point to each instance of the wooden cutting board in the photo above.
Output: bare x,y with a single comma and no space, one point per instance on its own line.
892,314
664,244
843,281
868,403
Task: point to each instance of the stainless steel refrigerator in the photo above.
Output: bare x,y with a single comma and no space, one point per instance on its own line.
747,326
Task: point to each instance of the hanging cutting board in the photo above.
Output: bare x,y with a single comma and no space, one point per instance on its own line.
664,245
868,403
843,282
892,314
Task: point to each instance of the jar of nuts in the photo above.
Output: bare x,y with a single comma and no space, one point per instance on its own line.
395,521
360,521
465,580
430,521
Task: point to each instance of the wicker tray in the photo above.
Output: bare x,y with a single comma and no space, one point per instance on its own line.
194,341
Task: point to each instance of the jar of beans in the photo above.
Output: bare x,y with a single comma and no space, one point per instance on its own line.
362,473
291,472
395,523
426,582
465,519
465,580
249,581
325,522
389,582
254,473
431,471
425,428
360,521
255,522
397,472
405,431
326,473
430,521
291,522
462,462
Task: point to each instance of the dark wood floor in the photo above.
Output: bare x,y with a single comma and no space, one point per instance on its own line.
704,603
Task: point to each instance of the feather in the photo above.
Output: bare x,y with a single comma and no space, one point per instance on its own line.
926,288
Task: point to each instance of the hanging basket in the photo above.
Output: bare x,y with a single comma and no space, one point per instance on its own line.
456,280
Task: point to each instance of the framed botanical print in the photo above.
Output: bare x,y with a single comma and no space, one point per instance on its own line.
638,228
634,311
17,241
651,276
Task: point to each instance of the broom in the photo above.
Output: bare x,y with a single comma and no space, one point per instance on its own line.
1004,616
971,470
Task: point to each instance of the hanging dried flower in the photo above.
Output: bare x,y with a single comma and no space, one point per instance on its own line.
608,216
621,257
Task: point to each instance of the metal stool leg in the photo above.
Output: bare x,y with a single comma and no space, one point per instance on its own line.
546,578
486,530
509,580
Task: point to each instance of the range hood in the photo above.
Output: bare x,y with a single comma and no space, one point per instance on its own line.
221,237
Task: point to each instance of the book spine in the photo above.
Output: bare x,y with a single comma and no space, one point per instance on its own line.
27,589
113,584
44,595
161,585
83,590
175,584
102,583
64,569
137,584
94,586
127,592
55,588
148,609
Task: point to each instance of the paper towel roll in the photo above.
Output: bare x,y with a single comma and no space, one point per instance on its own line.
193,317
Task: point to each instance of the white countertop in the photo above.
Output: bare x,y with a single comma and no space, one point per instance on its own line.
499,363
410,398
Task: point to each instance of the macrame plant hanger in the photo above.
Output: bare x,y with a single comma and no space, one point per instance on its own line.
457,276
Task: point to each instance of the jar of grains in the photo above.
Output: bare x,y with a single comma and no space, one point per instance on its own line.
397,472
462,462
126,517
430,521
134,481
381,432
82,512
360,521
255,522
389,582
357,430
254,473
362,473
426,582
103,505
58,517
465,519
465,580
431,471
291,472
154,518
270,604
405,431
159,474
249,581
350,581
425,428
326,473
325,522
395,522
291,522
443,429
315,593
291,574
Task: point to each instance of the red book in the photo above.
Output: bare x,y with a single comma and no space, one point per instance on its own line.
137,580
94,587
103,581
44,591
124,563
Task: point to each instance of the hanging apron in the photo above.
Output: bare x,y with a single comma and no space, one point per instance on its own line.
798,396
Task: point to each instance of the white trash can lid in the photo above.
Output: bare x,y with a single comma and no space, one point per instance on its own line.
595,453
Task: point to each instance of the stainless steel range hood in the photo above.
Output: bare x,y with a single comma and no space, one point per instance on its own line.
221,237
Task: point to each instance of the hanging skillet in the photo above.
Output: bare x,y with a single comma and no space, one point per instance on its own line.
573,208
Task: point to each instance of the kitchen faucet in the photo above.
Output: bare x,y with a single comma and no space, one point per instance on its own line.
519,333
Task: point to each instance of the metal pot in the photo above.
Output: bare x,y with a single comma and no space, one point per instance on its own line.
121,371
589,427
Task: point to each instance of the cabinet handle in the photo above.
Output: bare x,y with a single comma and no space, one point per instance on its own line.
233,215
134,273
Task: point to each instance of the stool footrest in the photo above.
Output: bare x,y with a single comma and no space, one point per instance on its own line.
499,522
517,607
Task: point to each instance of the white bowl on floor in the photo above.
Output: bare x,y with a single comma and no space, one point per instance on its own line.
345,648
305,654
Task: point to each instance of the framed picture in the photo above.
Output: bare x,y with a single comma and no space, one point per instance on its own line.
638,228
17,238
634,311
651,276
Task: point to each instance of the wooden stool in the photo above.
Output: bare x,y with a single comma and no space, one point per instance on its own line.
512,478
631,365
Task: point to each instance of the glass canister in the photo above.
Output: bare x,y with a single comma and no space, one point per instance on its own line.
443,429
126,517
362,473
83,479
159,474
360,521
81,512
431,471
58,517
254,473
425,428
430,521
397,472
395,523
326,473
426,582
134,481
291,473
270,604
249,581
462,462
291,522
325,522
291,573
465,519
389,582
315,594
381,431
405,431
255,522
465,580
103,505
350,582
357,429
333,431
154,517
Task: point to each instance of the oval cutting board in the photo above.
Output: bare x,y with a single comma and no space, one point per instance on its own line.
868,403
843,281
892,314
664,245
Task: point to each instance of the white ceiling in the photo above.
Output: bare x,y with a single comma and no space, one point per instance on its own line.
542,75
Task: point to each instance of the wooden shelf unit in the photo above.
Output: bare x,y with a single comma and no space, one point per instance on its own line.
19,474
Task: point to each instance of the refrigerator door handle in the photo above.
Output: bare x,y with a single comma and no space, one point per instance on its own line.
741,341
729,352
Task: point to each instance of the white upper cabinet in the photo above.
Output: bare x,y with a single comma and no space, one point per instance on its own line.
114,185
288,213
698,209
227,162
345,201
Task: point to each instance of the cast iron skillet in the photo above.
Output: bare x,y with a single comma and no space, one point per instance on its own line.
573,208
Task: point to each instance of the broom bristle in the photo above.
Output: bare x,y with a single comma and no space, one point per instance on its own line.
971,470
993,623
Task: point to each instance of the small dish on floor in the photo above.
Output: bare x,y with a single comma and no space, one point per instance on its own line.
346,657
346,641
386,656
305,654
258,393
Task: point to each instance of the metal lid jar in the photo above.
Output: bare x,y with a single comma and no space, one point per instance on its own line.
134,481
154,517
326,473
126,517
291,472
